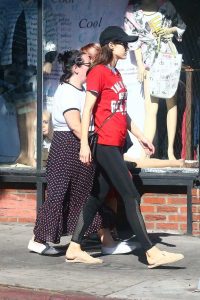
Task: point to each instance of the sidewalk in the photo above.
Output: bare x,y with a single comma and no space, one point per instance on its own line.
119,277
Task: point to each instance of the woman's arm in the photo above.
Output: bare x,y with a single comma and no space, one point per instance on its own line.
85,153
144,142
133,128
73,120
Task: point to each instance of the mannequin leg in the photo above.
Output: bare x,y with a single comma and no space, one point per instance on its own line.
151,109
155,163
31,129
26,125
171,125
21,122
23,78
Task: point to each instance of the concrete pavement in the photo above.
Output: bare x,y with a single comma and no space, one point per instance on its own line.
119,277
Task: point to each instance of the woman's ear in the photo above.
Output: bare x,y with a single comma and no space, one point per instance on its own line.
75,69
111,45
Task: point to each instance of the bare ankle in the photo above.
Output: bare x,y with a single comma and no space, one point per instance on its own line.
74,245
153,251
106,237
73,248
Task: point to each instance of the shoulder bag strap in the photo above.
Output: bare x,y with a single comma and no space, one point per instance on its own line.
110,116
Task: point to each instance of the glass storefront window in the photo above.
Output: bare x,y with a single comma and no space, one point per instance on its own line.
78,23
72,24
18,83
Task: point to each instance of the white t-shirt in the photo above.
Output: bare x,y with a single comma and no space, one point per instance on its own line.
67,97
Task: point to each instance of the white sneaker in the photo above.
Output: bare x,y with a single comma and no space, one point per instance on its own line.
120,248
43,249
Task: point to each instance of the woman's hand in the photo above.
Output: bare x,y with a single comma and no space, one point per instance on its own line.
85,154
147,146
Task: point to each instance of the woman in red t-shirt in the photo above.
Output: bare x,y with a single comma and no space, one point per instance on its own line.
106,93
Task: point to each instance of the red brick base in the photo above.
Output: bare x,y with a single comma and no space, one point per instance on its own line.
17,205
162,210
168,211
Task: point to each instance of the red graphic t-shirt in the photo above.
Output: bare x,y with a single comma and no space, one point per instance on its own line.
112,94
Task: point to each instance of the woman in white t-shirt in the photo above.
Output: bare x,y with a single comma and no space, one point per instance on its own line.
69,181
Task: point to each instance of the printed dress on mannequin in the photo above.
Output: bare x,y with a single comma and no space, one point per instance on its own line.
155,25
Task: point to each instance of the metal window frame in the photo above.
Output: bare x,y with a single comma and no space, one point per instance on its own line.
39,177
39,84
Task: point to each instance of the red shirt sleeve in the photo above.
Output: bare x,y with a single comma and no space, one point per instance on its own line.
94,81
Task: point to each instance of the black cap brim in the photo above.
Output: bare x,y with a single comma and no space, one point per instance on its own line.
131,39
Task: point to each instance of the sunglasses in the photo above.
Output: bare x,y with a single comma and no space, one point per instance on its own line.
85,64
124,44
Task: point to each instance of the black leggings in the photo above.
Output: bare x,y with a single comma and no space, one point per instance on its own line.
112,171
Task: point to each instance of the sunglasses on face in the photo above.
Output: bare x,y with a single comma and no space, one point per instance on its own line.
124,44
85,64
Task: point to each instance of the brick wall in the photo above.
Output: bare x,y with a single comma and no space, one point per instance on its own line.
17,204
167,211
164,209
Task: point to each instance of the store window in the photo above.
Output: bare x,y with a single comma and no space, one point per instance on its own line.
18,89
79,23
72,24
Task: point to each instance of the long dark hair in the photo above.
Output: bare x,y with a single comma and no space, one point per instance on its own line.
68,59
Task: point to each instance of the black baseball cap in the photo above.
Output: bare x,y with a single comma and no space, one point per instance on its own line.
115,33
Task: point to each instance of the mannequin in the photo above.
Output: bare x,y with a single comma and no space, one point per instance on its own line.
150,19
155,163
18,57
47,132
47,129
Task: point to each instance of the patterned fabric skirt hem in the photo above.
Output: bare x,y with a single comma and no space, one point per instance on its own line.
69,183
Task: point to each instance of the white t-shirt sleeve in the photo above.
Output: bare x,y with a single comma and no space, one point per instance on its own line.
69,101
66,98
